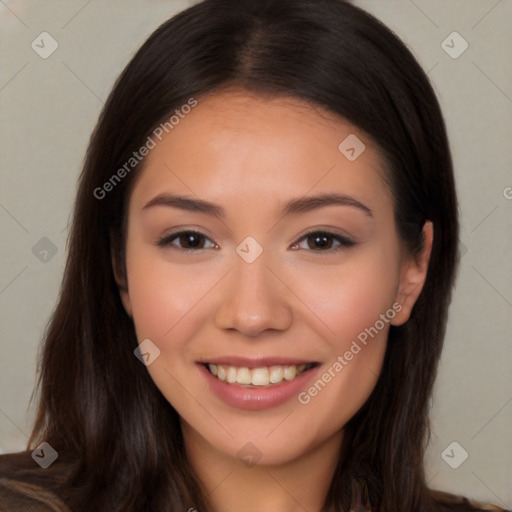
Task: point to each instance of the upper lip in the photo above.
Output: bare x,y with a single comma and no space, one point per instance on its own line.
256,362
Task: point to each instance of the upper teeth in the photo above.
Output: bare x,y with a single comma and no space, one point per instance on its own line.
257,376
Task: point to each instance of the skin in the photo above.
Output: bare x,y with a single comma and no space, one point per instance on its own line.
250,155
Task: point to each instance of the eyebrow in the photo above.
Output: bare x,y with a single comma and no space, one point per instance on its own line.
294,206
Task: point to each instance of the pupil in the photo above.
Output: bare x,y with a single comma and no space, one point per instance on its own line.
321,241
189,240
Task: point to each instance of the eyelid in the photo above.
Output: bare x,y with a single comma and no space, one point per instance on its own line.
344,241
164,241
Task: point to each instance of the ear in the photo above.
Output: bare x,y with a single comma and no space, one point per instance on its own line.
121,281
412,277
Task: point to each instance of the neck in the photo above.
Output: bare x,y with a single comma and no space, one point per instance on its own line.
291,486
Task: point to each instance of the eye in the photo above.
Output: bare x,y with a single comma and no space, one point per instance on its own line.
317,240
189,241
322,241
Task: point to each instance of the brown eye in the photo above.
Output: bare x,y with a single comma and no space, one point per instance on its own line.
188,240
322,241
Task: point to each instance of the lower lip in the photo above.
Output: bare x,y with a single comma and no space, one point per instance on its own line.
257,398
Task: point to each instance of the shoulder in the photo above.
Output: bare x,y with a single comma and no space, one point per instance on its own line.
25,486
452,503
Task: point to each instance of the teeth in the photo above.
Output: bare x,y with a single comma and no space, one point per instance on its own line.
257,376
276,374
244,376
290,372
231,374
260,377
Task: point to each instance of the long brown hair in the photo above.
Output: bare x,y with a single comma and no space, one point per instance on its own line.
98,404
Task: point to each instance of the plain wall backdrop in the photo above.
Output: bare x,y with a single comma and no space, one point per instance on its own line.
50,105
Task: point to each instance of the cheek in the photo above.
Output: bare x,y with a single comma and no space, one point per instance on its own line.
167,308
162,294
355,305
347,299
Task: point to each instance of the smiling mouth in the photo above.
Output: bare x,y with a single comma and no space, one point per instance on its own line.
264,376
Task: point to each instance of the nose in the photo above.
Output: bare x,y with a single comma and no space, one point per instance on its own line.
255,299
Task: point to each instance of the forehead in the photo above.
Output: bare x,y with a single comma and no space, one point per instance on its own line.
237,146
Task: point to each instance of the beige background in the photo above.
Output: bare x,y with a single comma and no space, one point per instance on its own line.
49,108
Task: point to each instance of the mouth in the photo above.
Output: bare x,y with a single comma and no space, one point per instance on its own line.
260,376
259,383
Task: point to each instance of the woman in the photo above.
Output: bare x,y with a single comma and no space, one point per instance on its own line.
260,266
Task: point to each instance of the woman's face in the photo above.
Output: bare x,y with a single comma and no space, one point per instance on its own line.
252,292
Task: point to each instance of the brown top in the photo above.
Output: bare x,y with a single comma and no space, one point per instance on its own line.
26,487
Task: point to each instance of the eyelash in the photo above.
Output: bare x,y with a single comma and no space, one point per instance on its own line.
344,242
